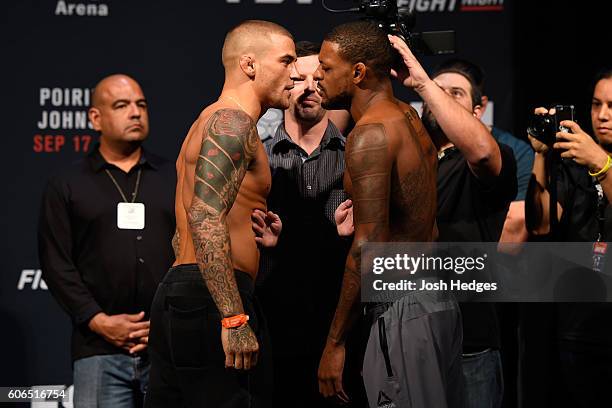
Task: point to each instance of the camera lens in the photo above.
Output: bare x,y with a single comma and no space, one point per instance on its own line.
542,127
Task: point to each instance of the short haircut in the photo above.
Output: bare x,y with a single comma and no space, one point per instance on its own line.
250,36
472,72
307,48
363,41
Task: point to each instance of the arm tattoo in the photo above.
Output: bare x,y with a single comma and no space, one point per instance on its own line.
176,243
227,149
370,171
369,167
241,339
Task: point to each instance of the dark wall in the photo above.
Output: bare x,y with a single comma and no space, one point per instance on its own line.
559,48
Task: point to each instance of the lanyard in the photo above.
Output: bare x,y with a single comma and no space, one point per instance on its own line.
119,188
602,203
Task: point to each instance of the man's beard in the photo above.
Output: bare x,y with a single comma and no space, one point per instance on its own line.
308,115
280,103
340,101
311,114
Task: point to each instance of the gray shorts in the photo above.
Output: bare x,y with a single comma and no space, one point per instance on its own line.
413,355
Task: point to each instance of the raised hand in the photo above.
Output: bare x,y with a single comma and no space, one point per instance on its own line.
412,74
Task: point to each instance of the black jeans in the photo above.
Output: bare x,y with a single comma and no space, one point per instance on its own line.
187,359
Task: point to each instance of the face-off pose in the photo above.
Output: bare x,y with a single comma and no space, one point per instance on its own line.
391,177
307,161
223,175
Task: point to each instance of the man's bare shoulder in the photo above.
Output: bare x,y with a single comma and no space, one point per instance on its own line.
387,123
407,109
220,119
411,114
367,135
217,121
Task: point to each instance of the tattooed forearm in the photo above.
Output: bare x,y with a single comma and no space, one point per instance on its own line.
369,165
212,249
227,149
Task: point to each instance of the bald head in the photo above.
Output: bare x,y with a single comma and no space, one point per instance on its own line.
250,36
103,90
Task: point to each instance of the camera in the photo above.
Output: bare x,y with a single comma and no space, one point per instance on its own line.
545,127
401,22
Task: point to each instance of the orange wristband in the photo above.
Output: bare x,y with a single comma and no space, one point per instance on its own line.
234,321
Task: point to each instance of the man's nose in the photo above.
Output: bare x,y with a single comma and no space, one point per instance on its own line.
318,75
311,83
134,110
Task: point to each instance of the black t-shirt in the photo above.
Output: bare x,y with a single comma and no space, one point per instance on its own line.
469,211
582,324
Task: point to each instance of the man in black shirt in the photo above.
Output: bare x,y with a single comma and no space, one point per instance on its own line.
476,183
105,232
301,277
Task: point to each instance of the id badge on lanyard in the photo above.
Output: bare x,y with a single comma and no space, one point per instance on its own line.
130,215
599,248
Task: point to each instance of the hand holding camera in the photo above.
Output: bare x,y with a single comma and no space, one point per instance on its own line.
556,128
538,142
580,147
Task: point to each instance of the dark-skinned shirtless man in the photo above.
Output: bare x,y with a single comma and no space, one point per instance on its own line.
414,347
206,335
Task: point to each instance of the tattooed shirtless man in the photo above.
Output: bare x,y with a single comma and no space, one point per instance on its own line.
208,342
413,352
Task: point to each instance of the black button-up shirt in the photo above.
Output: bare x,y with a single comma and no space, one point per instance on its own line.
310,186
302,275
88,263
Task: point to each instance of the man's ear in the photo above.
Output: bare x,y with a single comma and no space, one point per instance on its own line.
478,111
94,118
484,100
359,72
247,64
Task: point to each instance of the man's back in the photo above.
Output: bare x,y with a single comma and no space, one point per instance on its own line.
412,177
209,135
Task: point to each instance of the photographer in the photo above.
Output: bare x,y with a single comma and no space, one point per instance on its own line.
584,189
